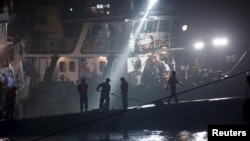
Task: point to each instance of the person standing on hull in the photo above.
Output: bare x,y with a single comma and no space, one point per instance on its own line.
10,102
105,90
1,87
172,83
4,83
10,96
124,90
83,91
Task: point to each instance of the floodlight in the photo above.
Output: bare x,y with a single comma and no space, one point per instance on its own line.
220,41
199,45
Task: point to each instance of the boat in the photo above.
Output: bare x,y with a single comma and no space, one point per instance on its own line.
51,106
189,115
12,52
103,48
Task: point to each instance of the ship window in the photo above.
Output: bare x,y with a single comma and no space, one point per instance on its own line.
164,26
102,65
149,27
62,66
72,66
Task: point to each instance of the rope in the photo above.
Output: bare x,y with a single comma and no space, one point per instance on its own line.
129,98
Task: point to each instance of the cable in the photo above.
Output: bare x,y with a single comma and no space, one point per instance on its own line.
132,99
128,110
210,83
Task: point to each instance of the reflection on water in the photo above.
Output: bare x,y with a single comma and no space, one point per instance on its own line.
144,135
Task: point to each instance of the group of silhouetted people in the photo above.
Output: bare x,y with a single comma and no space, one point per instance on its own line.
7,96
104,88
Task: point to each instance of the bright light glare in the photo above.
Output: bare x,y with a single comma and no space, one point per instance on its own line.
184,27
131,42
150,136
199,136
220,41
108,5
151,3
199,45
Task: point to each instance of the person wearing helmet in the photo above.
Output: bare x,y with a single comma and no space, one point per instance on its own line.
105,89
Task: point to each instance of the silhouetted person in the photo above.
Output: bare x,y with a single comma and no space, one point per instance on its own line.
124,90
10,96
172,83
1,88
83,91
104,94
10,102
4,89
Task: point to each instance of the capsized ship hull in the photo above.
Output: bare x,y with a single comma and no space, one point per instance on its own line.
193,115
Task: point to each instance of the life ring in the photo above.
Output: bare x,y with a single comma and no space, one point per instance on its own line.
87,47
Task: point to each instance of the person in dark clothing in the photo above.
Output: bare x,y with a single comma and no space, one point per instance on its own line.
104,94
1,88
83,90
124,90
172,83
10,102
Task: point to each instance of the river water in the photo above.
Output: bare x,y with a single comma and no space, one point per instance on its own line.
142,135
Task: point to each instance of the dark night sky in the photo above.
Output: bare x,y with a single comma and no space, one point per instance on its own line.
212,17
207,19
